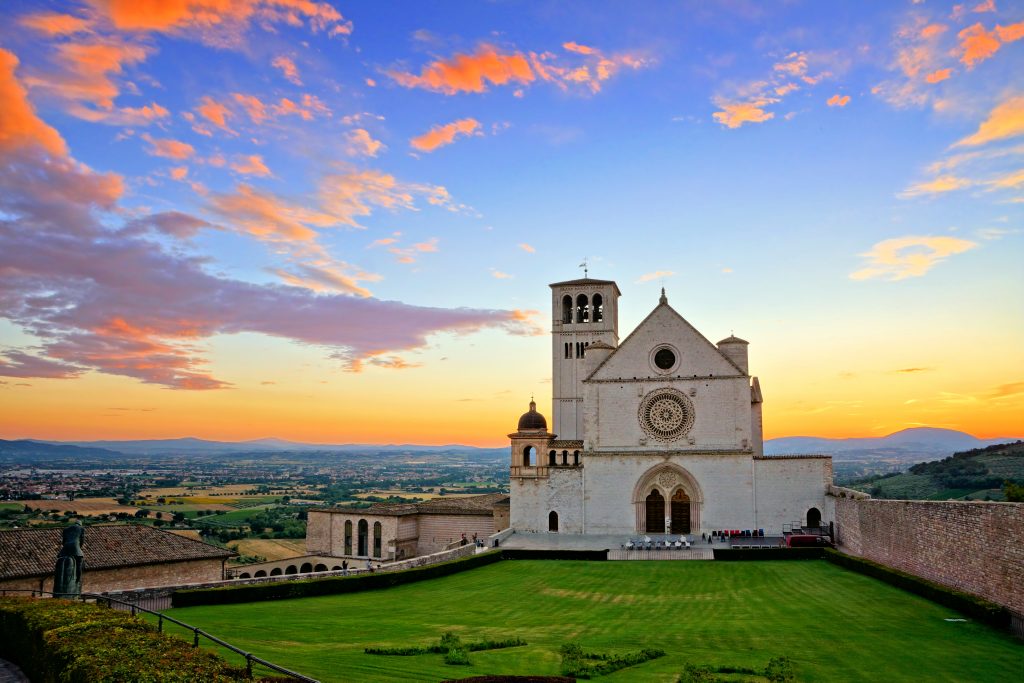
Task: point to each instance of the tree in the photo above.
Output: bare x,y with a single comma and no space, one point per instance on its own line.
1014,492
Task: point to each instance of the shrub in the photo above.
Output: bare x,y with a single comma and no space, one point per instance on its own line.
577,663
457,656
779,670
60,640
284,590
971,605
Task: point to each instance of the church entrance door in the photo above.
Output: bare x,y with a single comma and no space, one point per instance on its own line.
655,513
680,513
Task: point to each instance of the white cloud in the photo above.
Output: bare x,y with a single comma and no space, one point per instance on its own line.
911,256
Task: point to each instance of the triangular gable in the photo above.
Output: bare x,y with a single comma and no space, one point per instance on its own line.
697,355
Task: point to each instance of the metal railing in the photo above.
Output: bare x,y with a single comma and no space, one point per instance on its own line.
250,659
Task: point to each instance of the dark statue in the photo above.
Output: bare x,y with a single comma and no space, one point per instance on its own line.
67,577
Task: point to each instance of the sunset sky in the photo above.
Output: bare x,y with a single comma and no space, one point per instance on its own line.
336,221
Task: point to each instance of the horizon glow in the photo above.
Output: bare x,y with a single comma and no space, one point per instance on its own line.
336,222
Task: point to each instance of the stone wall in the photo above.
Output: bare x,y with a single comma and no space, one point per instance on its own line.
971,546
130,578
436,532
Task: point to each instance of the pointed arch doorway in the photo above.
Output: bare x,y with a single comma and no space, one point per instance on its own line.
680,513
655,513
668,498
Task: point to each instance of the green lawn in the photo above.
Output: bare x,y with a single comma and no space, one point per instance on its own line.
834,624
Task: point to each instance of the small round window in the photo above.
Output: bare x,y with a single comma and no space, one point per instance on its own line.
664,359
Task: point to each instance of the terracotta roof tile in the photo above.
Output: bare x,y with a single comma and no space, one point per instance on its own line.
33,552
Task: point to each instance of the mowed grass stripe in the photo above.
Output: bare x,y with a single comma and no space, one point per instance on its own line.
835,624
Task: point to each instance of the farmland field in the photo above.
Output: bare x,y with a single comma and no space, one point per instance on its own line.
834,624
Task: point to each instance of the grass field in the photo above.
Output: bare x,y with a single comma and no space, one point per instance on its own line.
834,624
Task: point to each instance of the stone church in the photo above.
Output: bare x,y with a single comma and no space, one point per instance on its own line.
660,433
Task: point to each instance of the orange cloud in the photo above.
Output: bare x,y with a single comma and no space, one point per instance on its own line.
179,172
219,21
120,116
214,112
469,73
267,217
87,70
361,143
529,249
795,64
1010,33
932,31
938,76
942,184
786,89
985,6
56,24
19,125
1005,121
439,136
735,114
837,101
251,164
581,49
288,69
253,106
168,148
977,44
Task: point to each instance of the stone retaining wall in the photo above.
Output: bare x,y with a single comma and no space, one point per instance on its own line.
972,546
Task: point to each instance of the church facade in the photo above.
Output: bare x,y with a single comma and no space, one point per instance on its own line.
658,433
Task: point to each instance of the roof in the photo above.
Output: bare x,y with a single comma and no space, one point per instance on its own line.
566,443
33,552
532,419
446,505
733,339
586,281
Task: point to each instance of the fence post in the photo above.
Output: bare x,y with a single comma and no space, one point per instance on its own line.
195,641
160,624
248,665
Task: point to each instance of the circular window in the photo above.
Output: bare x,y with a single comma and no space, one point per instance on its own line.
666,414
664,359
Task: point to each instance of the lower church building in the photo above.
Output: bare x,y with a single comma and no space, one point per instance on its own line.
660,433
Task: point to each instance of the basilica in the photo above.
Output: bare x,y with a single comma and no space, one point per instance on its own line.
658,433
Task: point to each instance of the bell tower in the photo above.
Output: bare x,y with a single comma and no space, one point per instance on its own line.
584,311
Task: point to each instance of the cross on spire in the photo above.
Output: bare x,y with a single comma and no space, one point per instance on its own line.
584,267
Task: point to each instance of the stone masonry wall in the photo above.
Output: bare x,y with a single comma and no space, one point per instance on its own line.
129,578
970,546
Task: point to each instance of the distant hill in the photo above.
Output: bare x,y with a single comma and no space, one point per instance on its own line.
194,446
909,445
26,448
974,474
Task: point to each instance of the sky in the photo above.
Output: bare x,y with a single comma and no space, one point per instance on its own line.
336,222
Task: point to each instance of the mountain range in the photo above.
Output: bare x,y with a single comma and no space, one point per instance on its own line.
916,444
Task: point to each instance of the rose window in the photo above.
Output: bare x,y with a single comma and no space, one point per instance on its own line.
666,415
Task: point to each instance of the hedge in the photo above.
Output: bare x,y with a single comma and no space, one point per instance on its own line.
305,588
971,605
70,642
523,554
769,553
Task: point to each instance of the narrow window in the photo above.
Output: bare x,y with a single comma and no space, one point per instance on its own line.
575,457
530,456
565,457
582,309
376,539
348,536
361,538
552,521
551,459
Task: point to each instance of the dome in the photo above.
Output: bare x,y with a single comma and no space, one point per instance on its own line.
532,419
733,339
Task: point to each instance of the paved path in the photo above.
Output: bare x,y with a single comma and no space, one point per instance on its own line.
11,674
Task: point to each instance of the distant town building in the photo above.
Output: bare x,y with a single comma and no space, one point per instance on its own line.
121,557
659,434
399,531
